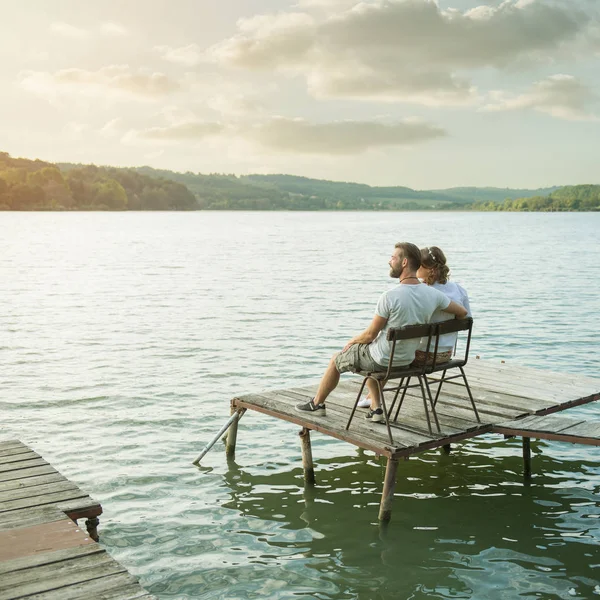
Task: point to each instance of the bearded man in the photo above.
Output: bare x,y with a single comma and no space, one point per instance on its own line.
409,303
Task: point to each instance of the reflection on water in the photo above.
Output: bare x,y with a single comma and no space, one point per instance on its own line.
456,519
124,336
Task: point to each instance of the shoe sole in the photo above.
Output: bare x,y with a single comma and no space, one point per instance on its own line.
377,419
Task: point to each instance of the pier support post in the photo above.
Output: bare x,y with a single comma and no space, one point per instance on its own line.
389,483
232,435
446,449
91,525
527,459
307,460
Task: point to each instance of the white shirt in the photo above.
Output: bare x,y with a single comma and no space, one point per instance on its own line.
455,292
404,305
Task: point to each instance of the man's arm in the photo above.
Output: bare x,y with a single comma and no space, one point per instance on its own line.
369,334
455,308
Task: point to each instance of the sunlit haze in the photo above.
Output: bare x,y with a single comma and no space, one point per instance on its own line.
387,92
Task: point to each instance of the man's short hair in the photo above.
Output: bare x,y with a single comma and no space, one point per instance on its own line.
411,253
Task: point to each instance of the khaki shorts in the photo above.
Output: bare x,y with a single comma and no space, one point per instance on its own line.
357,358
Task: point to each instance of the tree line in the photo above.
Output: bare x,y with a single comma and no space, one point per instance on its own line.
38,185
566,199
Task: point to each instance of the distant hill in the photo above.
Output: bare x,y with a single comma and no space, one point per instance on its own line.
37,185
398,197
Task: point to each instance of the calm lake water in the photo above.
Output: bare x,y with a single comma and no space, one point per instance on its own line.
124,336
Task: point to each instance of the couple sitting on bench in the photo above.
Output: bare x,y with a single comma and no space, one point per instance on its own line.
409,303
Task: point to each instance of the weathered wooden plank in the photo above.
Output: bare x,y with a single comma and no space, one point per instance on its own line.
589,429
534,389
544,423
79,508
26,517
317,424
14,450
54,498
41,490
22,474
514,371
31,482
26,464
16,458
36,539
57,576
48,558
120,586
12,444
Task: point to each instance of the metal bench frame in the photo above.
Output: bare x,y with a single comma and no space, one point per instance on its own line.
404,374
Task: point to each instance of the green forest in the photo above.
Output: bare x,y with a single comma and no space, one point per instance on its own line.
37,185
567,198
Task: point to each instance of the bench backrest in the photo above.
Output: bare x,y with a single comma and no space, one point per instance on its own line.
430,332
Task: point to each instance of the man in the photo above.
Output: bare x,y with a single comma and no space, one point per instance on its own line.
409,303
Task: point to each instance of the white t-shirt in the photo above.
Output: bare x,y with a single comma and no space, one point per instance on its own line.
401,306
455,292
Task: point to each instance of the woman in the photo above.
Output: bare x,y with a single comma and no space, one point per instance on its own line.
435,272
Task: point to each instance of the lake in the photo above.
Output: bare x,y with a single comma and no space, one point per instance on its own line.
125,335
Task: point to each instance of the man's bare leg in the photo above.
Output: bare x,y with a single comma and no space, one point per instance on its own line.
373,394
329,382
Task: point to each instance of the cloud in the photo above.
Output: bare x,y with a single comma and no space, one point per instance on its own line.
111,128
561,96
402,50
67,30
114,29
190,131
189,56
295,136
114,79
341,137
269,41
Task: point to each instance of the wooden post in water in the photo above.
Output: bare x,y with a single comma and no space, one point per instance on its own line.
527,459
446,449
232,434
307,460
389,483
91,525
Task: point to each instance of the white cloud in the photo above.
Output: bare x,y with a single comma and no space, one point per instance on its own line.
114,80
67,30
561,96
189,55
190,131
341,137
402,50
295,136
115,29
75,131
111,128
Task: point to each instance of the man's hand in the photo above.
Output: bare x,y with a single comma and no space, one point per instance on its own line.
369,334
455,308
348,345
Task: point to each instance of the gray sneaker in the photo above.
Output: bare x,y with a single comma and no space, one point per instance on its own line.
375,416
318,409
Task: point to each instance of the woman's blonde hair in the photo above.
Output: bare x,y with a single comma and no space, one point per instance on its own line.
434,259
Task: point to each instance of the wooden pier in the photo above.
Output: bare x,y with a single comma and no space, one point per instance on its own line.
506,396
44,553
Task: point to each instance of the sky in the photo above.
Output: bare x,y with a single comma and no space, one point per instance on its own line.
416,93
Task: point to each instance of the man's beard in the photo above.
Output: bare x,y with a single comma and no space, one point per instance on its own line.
396,273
